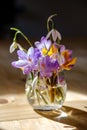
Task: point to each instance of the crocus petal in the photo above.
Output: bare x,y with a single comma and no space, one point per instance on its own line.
72,62
66,54
37,53
38,45
48,44
21,54
19,63
69,64
44,43
42,38
30,51
62,48
27,69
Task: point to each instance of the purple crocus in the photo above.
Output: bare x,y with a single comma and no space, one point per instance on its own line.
48,66
27,61
43,44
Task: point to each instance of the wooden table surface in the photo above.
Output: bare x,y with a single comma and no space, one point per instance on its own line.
17,114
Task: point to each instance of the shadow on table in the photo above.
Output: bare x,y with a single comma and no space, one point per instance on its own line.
69,116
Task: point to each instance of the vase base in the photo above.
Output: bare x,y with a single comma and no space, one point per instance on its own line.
47,108
51,113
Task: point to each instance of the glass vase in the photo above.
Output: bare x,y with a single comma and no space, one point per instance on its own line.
46,93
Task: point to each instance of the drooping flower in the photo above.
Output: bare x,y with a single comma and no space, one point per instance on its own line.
55,35
14,46
27,61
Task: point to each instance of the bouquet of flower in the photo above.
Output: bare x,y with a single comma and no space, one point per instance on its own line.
45,58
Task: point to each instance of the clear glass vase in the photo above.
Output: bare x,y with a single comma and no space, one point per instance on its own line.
46,93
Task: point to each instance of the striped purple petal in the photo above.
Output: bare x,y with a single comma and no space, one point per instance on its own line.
21,54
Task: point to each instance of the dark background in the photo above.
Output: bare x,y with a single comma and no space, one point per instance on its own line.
30,17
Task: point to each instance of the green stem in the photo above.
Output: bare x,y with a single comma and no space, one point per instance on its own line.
30,92
18,31
41,96
15,37
38,97
32,75
61,93
50,20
